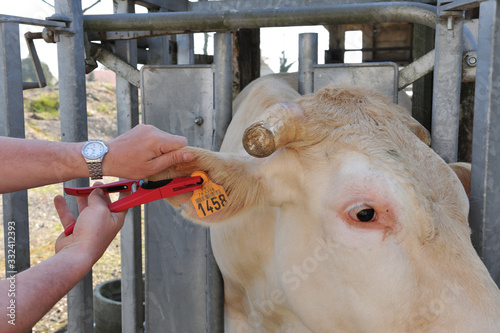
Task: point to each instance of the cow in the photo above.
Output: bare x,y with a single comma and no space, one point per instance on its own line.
339,218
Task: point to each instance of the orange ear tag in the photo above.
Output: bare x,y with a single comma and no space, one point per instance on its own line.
210,198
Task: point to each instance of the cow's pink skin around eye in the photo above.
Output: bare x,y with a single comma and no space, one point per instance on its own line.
356,185
384,215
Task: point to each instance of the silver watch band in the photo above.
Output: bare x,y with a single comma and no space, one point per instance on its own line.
95,170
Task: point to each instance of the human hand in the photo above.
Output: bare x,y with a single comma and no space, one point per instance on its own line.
144,151
95,228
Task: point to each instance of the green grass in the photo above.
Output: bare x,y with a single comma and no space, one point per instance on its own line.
45,106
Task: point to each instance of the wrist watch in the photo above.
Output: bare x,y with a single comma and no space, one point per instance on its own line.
93,151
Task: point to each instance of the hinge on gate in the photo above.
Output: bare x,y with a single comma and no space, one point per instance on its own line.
51,34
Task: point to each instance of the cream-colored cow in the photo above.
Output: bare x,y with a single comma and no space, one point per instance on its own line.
348,221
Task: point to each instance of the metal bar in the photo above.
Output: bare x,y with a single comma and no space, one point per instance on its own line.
308,57
132,285
416,70
159,52
461,4
223,83
447,83
185,42
215,293
118,35
108,26
151,4
485,182
127,107
223,21
245,4
11,101
30,21
185,49
271,17
117,65
29,36
223,59
30,85
469,41
15,205
371,49
73,112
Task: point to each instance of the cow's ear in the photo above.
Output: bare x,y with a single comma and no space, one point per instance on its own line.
463,171
416,127
420,131
238,175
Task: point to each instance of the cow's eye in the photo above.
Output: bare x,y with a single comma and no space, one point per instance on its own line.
366,215
362,214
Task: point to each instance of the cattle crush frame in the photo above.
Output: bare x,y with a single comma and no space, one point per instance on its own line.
456,54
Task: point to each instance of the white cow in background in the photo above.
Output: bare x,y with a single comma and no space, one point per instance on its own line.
346,221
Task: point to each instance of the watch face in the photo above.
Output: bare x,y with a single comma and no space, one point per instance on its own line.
93,150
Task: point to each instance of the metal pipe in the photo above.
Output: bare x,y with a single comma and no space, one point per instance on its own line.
416,70
73,113
37,65
117,65
485,177
127,116
30,21
425,64
30,85
446,92
15,205
178,22
202,21
185,49
270,17
308,57
182,22
223,83
223,59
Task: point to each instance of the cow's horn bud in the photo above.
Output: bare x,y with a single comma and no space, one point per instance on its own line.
279,126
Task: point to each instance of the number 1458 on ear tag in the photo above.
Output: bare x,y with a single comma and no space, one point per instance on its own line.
210,198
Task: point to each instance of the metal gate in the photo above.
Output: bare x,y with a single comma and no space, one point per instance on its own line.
73,31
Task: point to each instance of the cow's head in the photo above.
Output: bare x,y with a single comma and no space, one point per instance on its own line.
358,216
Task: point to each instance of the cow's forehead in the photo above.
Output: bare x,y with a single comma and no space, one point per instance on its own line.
353,114
391,154
346,104
356,164
355,172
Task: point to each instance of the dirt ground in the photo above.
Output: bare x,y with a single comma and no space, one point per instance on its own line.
45,226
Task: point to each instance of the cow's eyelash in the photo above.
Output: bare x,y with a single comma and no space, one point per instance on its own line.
358,204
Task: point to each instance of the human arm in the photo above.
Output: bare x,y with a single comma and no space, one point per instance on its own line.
141,152
40,287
